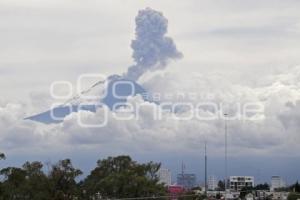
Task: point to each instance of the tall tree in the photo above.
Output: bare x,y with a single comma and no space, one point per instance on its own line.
221,185
295,187
245,191
121,177
2,156
14,182
37,183
62,179
28,182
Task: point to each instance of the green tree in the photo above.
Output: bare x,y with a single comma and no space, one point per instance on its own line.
293,196
121,177
13,184
264,186
37,183
245,191
28,182
295,187
62,180
221,186
2,156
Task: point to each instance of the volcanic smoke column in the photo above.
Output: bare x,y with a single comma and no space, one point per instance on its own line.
151,48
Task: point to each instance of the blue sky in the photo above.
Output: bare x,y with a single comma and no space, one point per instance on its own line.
239,51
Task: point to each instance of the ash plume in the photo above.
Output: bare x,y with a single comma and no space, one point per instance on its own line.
151,48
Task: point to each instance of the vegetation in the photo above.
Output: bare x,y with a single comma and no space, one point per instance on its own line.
114,177
293,196
264,186
192,195
295,187
221,185
120,177
2,156
245,191
295,192
248,190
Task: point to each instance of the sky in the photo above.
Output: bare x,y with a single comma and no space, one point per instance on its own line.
235,51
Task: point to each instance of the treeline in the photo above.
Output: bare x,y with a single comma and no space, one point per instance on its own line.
113,178
294,191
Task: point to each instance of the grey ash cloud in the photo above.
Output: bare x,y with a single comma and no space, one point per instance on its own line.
152,49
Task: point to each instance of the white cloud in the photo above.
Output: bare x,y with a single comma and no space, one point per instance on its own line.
276,130
45,41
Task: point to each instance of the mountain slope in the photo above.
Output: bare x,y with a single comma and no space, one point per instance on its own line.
116,91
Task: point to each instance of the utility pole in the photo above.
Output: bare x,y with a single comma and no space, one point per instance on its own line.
226,175
182,168
205,169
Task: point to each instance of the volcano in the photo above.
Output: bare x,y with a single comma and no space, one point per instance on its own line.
116,91
152,50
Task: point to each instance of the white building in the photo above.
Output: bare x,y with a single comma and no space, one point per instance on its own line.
277,182
249,196
279,195
212,183
164,176
236,183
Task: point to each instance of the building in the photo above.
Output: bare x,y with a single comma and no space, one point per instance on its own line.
175,191
188,181
231,195
261,194
249,196
236,183
212,183
164,176
279,195
277,182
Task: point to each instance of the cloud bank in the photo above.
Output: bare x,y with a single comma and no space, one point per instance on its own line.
277,130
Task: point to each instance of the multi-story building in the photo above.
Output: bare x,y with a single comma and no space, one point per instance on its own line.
188,181
277,182
212,183
236,183
164,176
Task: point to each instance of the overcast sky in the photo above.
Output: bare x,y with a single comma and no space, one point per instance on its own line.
240,51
